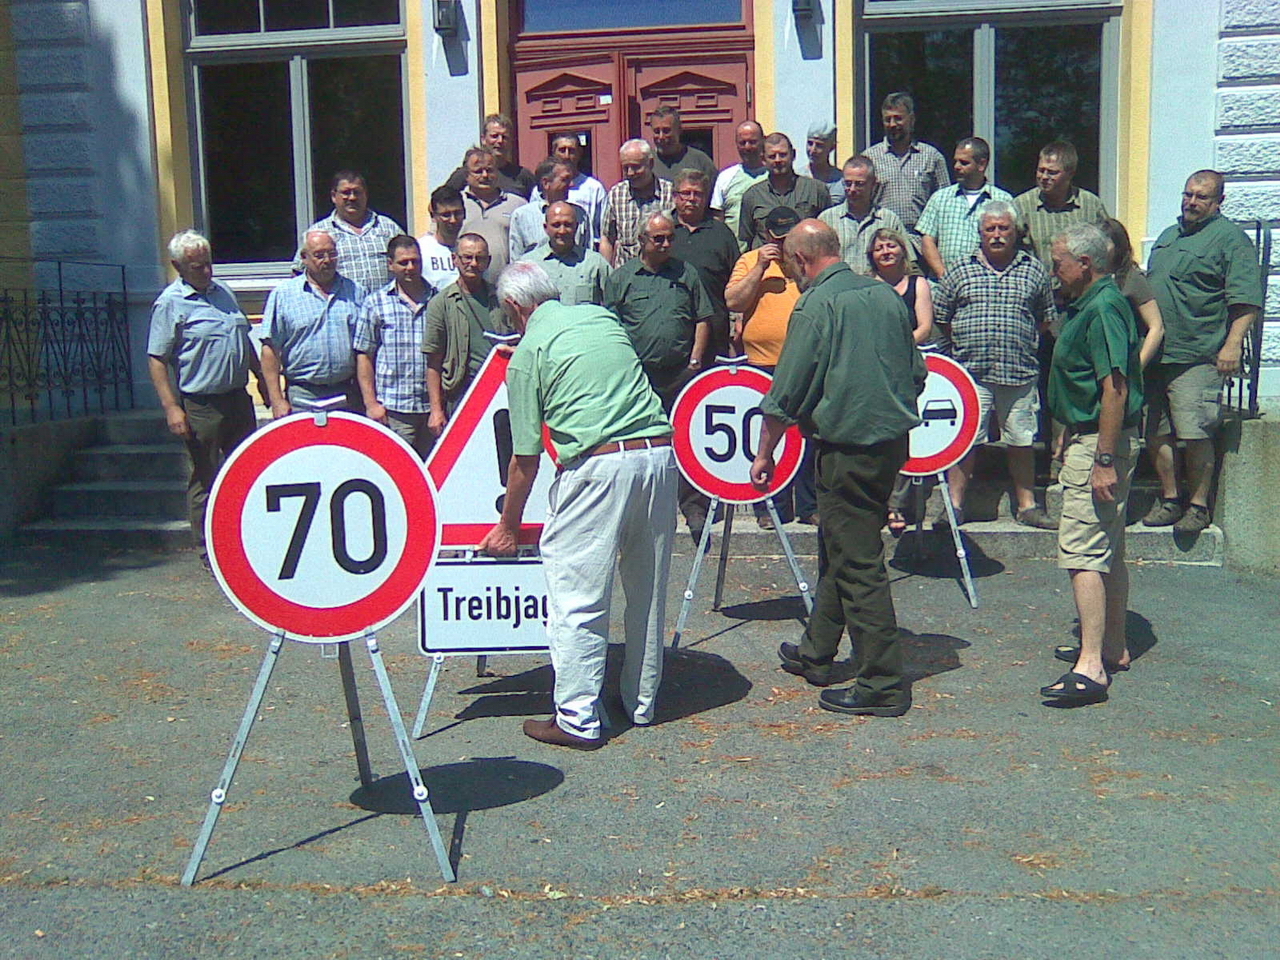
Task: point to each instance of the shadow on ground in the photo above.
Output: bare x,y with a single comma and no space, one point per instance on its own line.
36,568
481,783
932,554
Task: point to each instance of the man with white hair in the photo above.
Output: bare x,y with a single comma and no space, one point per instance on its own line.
992,306
200,337
1095,389
630,200
575,372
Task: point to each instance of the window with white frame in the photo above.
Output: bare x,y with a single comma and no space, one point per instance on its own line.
284,94
1014,73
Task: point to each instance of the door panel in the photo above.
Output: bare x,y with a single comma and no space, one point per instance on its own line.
710,91
577,95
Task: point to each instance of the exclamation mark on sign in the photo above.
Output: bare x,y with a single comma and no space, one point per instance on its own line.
502,444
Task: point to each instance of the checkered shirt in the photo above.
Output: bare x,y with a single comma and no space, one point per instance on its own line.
907,182
953,223
624,215
995,316
391,330
1039,224
361,256
311,332
855,235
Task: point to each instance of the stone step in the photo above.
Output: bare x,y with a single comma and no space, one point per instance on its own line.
136,426
161,499
131,461
119,533
986,500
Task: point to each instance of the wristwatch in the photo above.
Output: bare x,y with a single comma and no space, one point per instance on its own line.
1104,459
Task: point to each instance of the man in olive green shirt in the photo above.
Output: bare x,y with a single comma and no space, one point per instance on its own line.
1208,285
849,374
1055,202
578,274
615,498
1095,390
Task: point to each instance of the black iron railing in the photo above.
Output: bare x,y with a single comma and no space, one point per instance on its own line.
1240,393
64,353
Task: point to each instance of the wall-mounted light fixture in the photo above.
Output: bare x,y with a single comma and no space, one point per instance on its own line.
446,16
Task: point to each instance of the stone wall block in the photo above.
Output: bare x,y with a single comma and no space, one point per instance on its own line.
50,22
1256,107
47,152
52,68
44,111
59,197
1247,201
1255,155
64,238
1249,14
1251,58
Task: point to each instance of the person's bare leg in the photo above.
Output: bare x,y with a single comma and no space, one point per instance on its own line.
1023,471
958,479
1199,459
1090,592
1160,449
1115,647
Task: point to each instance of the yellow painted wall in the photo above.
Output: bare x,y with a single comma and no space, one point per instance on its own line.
15,215
170,134
766,66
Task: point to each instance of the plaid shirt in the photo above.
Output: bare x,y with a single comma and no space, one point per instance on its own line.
907,182
311,332
1039,224
995,316
392,331
361,256
855,235
624,214
952,220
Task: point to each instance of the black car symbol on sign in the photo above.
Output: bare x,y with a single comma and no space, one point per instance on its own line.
939,410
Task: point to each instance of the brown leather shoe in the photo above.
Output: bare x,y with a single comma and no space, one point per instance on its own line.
548,731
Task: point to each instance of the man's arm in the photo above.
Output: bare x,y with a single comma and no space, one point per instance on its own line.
1240,317
931,256
762,467
1115,391
741,295
701,338
276,399
435,393
174,415
504,539
365,378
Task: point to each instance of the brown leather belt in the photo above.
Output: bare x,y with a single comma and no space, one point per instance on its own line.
617,446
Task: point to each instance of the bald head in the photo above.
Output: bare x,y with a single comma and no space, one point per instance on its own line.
561,225
810,248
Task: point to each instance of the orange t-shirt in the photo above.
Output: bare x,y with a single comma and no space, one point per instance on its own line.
765,325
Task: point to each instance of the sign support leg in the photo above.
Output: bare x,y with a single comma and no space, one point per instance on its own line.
354,717
410,761
729,509
219,795
693,574
961,554
917,493
437,661
791,557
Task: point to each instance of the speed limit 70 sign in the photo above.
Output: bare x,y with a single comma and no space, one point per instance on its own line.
322,532
718,421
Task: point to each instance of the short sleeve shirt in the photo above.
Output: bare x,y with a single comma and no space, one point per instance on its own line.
731,186
658,310
951,218
1039,223
580,277
1098,335
908,181
204,336
713,249
492,220
391,330
313,332
437,262
807,197
624,212
691,159
765,322
856,235
362,257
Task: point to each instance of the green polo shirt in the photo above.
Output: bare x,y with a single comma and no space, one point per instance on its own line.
850,372
659,310
1099,335
575,371
1197,272
580,276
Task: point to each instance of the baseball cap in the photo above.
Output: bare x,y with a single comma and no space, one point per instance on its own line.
780,220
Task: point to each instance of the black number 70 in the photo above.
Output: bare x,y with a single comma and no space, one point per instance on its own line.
310,494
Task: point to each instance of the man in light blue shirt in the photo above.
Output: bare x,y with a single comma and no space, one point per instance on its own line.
527,222
578,274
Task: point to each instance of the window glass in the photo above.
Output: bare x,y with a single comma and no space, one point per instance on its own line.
227,16
541,16
936,68
248,161
363,13
356,123
1040,98
296,14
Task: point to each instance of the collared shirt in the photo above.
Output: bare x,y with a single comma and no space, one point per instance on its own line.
528,229
833,179
908,181
659,311
312,332
438,268
713,249
807,197
1039,223
1099,335
951,218
1197,272
512,178
456,324
995,316
580,277
362,257
731,186
575,371
589,194
850,371
203,336
492,220
856,235
764,328
624,214
691,158
391,330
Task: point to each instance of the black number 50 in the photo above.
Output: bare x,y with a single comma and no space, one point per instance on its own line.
310,494
712,426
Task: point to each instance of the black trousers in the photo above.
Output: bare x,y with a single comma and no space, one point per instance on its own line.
219,421
854,483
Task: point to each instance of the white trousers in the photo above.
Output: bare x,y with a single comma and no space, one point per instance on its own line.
619,507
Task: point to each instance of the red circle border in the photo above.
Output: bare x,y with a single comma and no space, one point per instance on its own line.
955,451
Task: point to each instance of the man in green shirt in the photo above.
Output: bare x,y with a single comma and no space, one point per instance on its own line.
1055,202
849,374
1208,285
782,188
1095,390
579,274
614,496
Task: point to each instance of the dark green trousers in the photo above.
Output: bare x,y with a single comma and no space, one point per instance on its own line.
854,483
219,421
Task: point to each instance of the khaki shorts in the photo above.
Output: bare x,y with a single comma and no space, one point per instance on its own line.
1183,400
1017,411
1091,534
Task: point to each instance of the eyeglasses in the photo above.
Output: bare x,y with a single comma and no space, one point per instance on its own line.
661,239
690,194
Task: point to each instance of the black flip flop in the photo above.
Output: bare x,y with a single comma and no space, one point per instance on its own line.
1069,654
1075,688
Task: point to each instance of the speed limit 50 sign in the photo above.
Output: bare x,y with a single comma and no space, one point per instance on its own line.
322,532
718,421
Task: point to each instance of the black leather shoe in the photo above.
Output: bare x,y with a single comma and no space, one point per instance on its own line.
817,673
849,700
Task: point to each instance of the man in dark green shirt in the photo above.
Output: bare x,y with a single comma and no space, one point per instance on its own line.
1208,286
1095,391
849,374
783,187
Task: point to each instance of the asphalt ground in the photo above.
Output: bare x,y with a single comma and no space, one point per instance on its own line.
746,823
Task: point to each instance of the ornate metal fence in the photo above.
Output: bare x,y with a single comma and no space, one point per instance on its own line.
64,353
1240,393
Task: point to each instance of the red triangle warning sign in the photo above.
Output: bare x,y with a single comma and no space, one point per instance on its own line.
469,464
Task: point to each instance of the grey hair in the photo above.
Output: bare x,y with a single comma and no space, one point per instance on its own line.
527,284
185,242
646,150
1087,240
999,209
